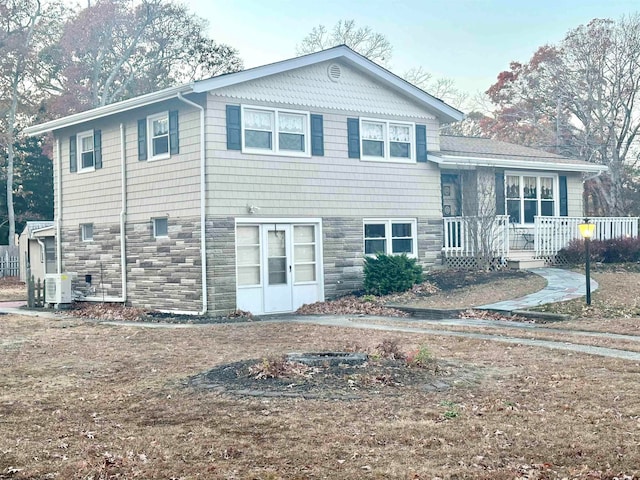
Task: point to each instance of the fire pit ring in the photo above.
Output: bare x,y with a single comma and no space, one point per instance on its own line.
315,359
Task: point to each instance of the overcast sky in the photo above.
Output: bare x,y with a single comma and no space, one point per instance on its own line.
468,41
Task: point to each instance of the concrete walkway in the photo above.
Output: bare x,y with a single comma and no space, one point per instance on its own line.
562,285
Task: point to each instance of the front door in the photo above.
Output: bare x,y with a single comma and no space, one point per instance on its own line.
278,294
451,195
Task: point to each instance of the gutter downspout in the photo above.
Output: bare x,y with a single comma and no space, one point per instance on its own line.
123,214
203,236
59,212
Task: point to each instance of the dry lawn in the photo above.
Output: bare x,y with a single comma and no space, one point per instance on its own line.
11,288
89,401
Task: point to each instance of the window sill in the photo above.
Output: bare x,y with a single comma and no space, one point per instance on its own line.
87,170
283,153
164,156
388,160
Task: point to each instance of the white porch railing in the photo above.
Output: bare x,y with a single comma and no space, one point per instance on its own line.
467,236
551,234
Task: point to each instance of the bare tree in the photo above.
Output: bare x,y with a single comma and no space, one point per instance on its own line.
377,48
579,98
442,88
485,229
363,40
27,28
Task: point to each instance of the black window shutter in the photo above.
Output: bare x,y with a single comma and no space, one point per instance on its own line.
500,198
317,135
97,148
234,131
142,139
174,138
73,159
353,137
564,208
421,143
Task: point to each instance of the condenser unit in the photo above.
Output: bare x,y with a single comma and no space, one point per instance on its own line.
58,288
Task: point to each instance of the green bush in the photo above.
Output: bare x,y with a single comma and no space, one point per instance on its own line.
386,274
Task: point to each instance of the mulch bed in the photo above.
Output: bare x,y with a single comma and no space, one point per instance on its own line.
346,382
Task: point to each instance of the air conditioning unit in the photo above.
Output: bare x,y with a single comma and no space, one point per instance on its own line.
58,288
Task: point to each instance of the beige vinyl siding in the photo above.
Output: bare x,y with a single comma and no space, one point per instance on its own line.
329,185
93,194
157,187
575,190
169,186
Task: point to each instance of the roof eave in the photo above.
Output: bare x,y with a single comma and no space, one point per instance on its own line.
106,110
456,161
445,112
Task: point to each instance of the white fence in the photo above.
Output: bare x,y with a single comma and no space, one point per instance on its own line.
465,236
468,236
551,234
9,261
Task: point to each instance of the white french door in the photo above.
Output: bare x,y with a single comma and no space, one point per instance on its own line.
278,265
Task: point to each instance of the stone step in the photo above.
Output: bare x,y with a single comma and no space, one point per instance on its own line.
523,264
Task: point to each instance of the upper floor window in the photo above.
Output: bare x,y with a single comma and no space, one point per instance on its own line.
275,131
159,135
529,195
86,150
386,140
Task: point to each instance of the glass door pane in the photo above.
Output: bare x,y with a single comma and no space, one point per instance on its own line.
277,257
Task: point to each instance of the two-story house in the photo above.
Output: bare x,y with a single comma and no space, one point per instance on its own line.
264,189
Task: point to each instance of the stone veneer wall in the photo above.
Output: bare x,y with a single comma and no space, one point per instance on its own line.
87,258
221,264
165,273
344,251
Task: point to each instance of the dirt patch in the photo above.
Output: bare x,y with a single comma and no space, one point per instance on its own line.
337,381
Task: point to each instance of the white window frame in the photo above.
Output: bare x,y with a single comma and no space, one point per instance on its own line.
155,227
275,137
79,137
86,236
259,264
150,137
389,234
387,143
538,176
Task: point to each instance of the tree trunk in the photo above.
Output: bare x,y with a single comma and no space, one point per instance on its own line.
11,140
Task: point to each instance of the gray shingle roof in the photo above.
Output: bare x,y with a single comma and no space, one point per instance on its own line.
488,148
31,227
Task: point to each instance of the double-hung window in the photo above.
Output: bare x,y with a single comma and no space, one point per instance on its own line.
86,150
275,131
386,140
391,237
158,127
529,195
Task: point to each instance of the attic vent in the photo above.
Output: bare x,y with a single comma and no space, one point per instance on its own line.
335,72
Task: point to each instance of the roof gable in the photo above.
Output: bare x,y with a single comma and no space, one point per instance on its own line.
314,86
345,56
